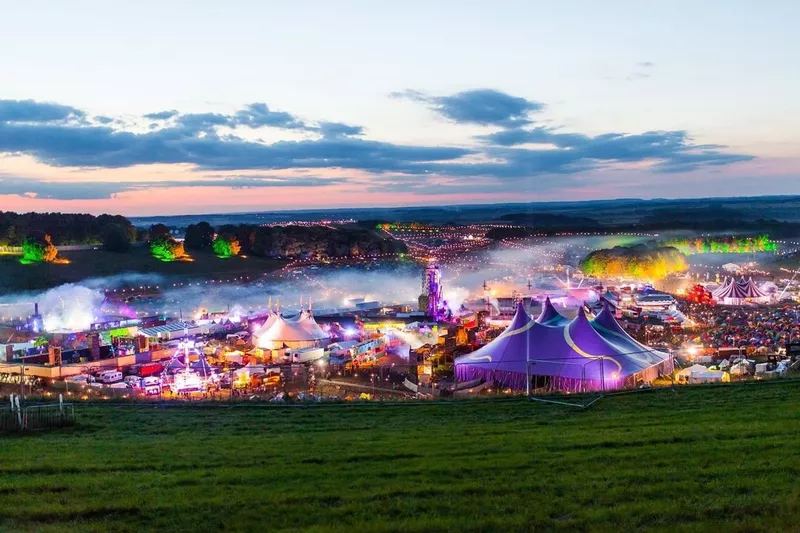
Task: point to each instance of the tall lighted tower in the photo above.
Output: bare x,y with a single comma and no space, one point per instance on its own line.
432,288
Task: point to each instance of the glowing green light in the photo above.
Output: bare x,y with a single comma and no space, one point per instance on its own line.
724,245
225,247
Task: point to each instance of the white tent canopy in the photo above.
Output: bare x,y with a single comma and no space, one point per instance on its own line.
694,369
298,332
710,376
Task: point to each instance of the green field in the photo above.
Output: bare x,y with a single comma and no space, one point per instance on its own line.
99,263
696,459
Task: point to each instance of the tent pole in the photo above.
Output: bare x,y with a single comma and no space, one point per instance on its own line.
583,384
527,376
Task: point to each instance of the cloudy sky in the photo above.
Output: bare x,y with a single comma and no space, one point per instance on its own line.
160,107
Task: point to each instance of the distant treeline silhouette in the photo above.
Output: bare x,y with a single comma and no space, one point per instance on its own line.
116,233
63,228
708,220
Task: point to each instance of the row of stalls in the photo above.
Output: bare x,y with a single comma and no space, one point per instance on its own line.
725,370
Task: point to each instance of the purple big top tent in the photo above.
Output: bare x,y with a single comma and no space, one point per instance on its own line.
752,290
549,316
572,356
739,292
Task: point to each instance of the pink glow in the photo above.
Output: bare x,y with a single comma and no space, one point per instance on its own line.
748,178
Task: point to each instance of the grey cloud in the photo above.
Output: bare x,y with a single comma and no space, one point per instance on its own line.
97,146
56,189
96,190
670,149
162,115
258,114
202,122
337,129
56,139
37,112
486,107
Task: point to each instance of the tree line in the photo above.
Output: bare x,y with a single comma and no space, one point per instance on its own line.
715,220
63,228
289,242
116,233
639,261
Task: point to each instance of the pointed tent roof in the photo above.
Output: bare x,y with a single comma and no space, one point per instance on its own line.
298,317
175,363
608,327
258,332
282,330
722,288
202,367
752,290
305,319
550,316
589,343
520,317
595,354
508,349
310,325
733,290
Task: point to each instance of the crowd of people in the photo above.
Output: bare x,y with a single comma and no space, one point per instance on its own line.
771,328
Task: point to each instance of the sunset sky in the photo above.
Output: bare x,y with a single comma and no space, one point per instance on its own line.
148,107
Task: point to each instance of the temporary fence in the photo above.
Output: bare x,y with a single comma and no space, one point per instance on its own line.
578,384
8,420
568,382
19,417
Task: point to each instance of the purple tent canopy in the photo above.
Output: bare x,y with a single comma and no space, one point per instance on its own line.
549,316
576,355
202,367
738,292
752,290
175,363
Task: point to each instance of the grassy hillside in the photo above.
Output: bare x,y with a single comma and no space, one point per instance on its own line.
99,263
697,459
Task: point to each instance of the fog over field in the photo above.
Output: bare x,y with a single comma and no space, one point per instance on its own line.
76,305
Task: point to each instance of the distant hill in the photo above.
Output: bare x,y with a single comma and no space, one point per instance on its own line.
697,214
549,220
604,212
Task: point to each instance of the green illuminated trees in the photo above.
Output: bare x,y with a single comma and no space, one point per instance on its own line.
165,248
724,245
225,246
38,250
634,261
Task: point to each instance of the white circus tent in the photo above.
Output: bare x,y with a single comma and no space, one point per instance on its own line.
740,292
301,331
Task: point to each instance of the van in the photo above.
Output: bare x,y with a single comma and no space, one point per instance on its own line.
111,377
80,378
151,381
133,381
